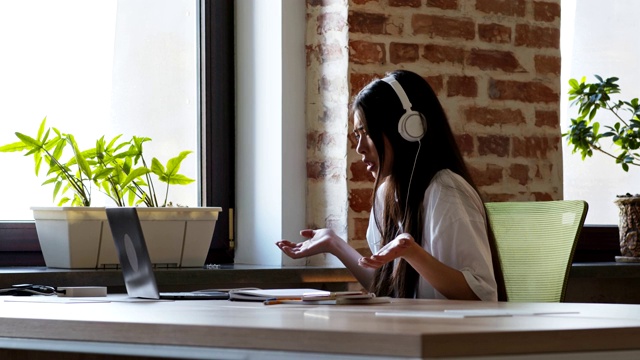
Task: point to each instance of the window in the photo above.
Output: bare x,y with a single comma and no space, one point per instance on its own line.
599,40
139,67
92,68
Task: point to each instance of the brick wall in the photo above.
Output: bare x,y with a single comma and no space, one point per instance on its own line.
327,117
495,65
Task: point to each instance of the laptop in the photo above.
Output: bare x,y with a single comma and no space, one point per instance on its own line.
135,262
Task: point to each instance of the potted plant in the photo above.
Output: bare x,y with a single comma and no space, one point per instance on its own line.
79,236
623,139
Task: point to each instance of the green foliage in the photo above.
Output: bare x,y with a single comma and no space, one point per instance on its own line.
116,168
584,132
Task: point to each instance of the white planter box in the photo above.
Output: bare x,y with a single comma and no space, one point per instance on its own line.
80,238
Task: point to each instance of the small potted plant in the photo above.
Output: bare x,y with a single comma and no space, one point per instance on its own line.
78,236
623,141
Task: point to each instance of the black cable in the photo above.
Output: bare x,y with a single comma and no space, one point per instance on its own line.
28,290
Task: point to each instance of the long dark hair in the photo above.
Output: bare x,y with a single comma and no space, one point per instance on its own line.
381,108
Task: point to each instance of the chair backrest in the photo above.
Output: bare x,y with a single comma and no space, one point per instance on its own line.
535,242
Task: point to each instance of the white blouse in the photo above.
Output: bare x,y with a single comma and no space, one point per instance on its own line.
454,233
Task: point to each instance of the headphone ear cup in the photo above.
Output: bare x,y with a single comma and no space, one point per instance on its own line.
412,126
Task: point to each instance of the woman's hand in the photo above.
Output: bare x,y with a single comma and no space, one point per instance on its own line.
319,241
397,248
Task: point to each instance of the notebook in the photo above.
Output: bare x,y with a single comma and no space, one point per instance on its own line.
135,262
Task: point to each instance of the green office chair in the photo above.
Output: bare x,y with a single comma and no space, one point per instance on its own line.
535,242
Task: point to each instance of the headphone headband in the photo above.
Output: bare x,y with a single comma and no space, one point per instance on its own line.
406,104
412,125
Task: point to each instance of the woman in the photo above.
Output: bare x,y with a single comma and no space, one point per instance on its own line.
428,230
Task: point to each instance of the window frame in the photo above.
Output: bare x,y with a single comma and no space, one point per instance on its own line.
19,244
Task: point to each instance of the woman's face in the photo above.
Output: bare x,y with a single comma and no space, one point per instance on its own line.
367,149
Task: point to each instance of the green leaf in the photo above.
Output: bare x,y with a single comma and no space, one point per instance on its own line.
57,152
131,198
180,179
173,165
134,174
50,180
102,173
56,189
41,129
574,83
157,167
82,162
16,146
38,161
29,141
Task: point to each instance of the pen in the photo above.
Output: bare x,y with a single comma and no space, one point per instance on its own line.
275,301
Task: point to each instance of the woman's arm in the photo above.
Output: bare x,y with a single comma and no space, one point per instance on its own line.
448,281
326,241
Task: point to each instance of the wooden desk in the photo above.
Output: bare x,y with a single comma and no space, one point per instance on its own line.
223,329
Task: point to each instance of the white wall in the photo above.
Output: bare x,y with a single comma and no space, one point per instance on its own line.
270,128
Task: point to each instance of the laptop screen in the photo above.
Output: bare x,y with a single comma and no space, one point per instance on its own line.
132,253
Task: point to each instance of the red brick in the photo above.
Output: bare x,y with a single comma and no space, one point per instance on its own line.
310,53
462,86
409,3
351,138
312,140
358,81
324,52
494,33
489,176
315,3
538,196
493,145
360,199
319,141
519,172
330,114
438,54
443,4
403,53
547,118
364,52
493,197
494,60
443,27
528,92
360,226
489,116
502,7
367,23
534,147
465,143
547,64
324,170
359,172
546,11
330,22
537,36
436,82
361,2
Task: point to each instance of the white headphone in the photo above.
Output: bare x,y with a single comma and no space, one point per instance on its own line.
412,125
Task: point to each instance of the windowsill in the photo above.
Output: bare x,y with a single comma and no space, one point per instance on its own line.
603,282
185,279
605,270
